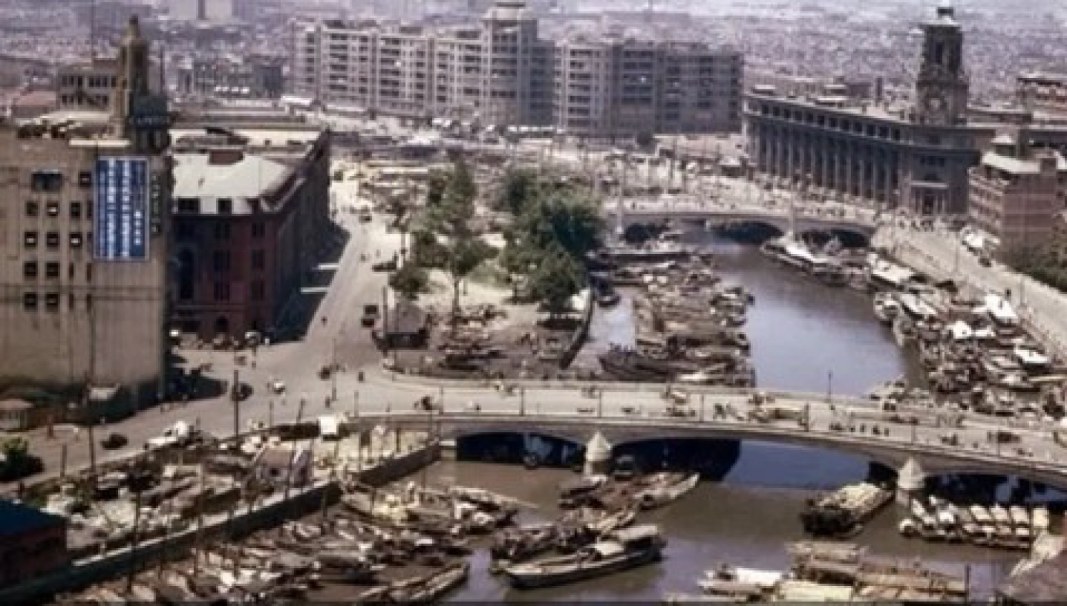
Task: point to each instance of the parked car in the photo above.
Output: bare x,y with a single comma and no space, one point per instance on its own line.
114,441
389,265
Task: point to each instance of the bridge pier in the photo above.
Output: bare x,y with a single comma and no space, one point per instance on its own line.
597,455
910,481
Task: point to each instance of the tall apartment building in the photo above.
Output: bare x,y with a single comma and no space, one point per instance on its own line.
501,72
83,222
615,87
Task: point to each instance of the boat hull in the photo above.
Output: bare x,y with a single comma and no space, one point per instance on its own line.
522,580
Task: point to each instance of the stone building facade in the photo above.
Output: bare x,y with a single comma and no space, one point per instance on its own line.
913,157
84,283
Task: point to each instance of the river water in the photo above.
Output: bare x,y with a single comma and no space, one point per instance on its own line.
805,336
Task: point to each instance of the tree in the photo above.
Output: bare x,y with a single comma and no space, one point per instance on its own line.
409,281
464,256
555,280
449,221
520,188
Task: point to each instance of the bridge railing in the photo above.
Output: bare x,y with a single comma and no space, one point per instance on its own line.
437,383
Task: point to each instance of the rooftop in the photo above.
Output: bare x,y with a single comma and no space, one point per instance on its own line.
1019,166
252,176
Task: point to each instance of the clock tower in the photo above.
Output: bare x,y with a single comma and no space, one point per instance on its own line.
942,85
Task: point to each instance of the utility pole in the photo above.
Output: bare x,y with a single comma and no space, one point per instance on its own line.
522,401
333,372
234,395
355,404
829,387
133,547
270,413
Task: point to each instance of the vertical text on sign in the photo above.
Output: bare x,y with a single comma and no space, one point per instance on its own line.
122,211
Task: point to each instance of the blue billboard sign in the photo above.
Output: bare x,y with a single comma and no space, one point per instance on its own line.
121,209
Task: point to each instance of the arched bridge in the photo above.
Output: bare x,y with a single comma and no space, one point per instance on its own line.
855,221
971,455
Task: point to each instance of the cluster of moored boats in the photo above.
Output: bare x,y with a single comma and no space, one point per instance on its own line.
842,513
1013,527
966,345
824,571
594,537
688,327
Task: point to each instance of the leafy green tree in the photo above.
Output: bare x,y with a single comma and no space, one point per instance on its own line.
556,280
521,187
449,222
409,281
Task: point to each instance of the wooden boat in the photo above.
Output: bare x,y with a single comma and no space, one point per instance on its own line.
662,494
620,550
517,545
432,587
745,584
579,492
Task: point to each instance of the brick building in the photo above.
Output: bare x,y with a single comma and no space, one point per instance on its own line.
250,204
1016,192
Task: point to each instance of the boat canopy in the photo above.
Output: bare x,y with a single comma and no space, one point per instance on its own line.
891,274
960,331
1029,357
636,533
606,549
998,308
916,307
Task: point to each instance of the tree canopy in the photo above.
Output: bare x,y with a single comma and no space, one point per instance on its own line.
409,280
555,230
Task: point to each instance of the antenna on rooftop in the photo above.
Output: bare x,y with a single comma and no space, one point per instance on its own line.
92,30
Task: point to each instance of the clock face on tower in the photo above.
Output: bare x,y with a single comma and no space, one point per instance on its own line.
935,103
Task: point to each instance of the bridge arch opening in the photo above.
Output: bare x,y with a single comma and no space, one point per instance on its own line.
749,232
520,447
848,238
978,487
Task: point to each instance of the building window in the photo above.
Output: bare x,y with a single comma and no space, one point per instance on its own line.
29,239
222,291
88,301
257,259
29,300
75,239
222,230
29,269
85,179
46,180
259,229
53,209
32,208
51,239
225,206
257,290
88,272
51,301
51,269
220,260
75,210
189,205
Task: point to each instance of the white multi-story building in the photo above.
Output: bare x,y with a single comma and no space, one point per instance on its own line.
500,72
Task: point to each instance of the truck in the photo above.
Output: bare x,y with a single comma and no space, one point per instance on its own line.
179,434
